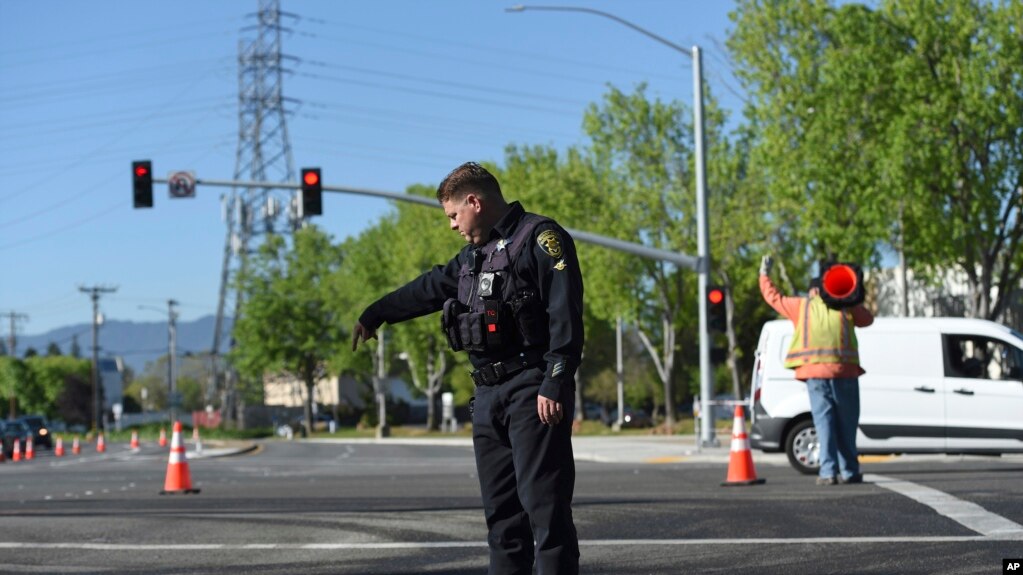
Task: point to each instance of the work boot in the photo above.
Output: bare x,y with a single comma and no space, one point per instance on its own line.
826,481
858,478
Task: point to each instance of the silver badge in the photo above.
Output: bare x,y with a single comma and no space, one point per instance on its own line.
486,284
502,243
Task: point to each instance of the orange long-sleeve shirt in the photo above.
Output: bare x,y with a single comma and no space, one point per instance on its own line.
788,306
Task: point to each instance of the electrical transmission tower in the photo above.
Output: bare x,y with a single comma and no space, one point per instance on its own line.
264,155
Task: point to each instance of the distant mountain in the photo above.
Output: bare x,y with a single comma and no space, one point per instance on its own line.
136,342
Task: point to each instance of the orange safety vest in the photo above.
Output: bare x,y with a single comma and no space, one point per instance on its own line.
822,335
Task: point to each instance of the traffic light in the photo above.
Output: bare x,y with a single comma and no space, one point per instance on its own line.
312,192
142,183
716,316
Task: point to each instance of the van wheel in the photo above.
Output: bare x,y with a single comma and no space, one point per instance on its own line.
802,447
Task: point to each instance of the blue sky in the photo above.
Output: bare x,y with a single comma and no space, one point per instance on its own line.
389,94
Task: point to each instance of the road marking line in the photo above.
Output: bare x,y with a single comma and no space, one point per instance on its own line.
482,544
970,515
666,459
875,458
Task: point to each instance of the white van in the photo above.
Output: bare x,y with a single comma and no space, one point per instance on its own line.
933,385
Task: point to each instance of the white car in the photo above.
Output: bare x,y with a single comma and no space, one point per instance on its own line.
932,385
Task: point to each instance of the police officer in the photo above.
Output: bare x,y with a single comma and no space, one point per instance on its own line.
512,298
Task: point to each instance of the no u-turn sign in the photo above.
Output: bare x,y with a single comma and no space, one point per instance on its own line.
181,184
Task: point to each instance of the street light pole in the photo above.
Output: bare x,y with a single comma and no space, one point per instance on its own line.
707,434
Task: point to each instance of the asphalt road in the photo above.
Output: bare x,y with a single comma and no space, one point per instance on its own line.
302,507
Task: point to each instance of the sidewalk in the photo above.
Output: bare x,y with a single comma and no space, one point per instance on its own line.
650,449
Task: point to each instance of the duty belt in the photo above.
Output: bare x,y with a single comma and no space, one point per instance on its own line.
495,373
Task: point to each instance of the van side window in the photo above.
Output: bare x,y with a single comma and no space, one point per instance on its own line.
977,357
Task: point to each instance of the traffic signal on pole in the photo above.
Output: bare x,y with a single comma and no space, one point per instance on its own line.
716,315
312,192
142,183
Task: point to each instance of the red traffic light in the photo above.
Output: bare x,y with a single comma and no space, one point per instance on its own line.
311,178
715,296
141,170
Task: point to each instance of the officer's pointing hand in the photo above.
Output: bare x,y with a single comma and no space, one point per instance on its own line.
550,411
360,331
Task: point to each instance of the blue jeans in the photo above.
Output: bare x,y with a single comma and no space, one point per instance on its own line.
835,406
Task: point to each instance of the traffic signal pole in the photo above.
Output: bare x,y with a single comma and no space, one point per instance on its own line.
686,261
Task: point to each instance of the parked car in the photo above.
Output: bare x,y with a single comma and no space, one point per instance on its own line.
10,431
321,422
41,436
932,385
633,417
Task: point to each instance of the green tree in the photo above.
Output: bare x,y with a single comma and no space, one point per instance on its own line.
644,161
45,380
287,323
53,350
12,380
894,126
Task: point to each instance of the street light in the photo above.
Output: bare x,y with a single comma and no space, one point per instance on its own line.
702,231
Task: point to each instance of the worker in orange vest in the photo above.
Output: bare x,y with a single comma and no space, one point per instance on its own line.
825,355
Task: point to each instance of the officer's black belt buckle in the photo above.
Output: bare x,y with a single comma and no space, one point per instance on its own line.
495,373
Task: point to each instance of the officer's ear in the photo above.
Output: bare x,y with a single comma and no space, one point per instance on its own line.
473,201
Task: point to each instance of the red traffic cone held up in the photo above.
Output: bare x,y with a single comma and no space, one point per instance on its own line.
178,479
740,465
842,285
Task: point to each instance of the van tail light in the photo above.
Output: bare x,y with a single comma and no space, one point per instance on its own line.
758,378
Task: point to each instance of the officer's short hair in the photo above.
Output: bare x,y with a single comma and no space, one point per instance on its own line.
469,177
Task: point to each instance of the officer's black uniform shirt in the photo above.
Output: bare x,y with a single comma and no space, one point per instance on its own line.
557,280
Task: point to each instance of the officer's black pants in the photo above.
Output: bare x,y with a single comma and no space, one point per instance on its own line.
527,476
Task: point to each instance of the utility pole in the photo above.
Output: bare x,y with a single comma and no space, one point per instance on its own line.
379,381
12,341
95,292
172,368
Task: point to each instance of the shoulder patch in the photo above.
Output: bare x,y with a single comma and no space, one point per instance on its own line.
550,243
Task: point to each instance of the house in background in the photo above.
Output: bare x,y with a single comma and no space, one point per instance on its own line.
286,392
111,375
949,299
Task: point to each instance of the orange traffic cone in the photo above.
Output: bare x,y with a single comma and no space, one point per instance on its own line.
134,440
59,450
740,465
75,448
196,439
16,456
178,480
101,445
163,437
30,451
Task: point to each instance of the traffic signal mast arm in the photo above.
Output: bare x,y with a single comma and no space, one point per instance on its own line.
683,260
